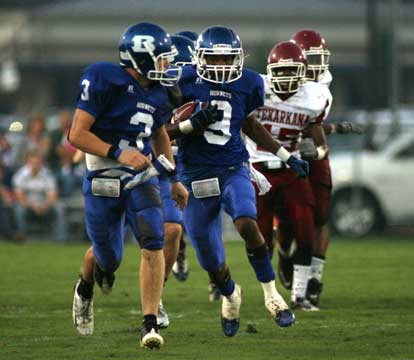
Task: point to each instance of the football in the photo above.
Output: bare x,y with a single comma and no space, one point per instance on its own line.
185,111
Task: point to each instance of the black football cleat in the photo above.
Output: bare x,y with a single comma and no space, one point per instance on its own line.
313,291
303,304
180,268
150,336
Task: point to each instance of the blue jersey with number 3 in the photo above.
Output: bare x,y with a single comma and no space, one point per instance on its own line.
221,144
126,114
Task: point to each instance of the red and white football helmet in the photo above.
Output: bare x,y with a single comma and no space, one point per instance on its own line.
316,50
286,67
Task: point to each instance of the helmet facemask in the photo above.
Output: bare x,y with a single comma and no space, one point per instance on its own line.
163,71
318,63
286,77
219,74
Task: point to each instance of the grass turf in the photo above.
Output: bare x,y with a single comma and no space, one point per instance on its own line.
367,308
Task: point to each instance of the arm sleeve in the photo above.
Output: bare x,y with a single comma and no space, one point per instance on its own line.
94,92
256,98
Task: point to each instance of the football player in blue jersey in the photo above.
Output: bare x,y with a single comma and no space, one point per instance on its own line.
185,57
119,119
213,166
173,219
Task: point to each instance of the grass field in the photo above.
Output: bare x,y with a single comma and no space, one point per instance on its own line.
367,309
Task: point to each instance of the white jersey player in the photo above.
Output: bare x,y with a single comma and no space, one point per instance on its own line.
286,119
291,105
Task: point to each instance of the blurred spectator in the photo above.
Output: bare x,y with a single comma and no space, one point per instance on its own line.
6,204
60,148
36,197
62,154
36,138
6,153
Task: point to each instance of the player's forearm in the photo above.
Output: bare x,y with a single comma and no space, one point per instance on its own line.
173,131
319,139
88,142
161,144
255,131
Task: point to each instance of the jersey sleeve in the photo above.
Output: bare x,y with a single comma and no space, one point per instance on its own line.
256,98
94,92
330,100
320,101
328,104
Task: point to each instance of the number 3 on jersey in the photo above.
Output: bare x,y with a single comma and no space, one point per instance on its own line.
218,133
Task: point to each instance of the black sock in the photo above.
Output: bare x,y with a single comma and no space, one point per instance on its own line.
85,289
182,244
150,320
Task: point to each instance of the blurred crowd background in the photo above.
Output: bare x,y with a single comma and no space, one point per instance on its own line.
45,45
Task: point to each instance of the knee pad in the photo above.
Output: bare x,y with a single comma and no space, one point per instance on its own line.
150,237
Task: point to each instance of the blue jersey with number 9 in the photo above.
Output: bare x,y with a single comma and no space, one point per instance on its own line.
126,114
221,144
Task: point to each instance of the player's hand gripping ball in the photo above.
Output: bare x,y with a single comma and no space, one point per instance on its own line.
200,114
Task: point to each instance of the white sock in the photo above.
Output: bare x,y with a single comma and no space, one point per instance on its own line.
300,281
316,270
269,289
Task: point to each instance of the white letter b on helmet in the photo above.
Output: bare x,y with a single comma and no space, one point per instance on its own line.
143,43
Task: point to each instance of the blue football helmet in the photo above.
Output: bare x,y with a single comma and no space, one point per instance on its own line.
185,48
192,35
219,41
147,48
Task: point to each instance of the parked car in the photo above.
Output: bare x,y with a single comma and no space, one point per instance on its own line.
373,189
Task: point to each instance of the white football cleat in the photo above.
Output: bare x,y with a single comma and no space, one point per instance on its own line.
279,310
275,303
162,317
82,312
230,312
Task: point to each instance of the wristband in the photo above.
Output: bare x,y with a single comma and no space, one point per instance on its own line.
185,127
283,154
114,153
173,177
320,152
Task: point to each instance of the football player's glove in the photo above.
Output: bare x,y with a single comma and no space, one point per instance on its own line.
346,127
205,115
307,149
300,166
